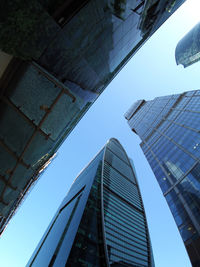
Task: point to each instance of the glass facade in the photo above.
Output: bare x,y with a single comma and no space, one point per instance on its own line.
102,221
54,66
169,129
188,48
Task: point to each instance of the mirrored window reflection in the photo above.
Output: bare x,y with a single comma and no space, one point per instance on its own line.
119,165
125,225
114,181
53,237
88,249
189,188
183,221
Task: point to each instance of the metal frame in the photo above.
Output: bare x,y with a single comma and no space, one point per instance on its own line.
8,75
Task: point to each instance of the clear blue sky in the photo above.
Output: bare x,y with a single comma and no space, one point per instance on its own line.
151,72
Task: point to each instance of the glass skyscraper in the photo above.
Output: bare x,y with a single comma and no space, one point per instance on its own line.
188,48
169,128
54,66
101,222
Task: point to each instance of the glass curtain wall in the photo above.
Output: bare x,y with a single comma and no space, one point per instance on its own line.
101,222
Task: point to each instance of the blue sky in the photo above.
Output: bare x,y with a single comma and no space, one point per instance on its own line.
151,72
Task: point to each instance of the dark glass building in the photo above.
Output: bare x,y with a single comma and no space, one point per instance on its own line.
54,65
101,222
169,128
188,48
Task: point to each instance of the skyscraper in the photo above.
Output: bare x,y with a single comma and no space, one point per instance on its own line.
188,48
101,222
169,128
55,65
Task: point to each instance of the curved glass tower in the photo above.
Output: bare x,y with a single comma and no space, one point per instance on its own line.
188,48
101,222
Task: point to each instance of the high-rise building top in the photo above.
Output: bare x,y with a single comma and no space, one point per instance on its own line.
58,62
188,48
101,222
169,128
